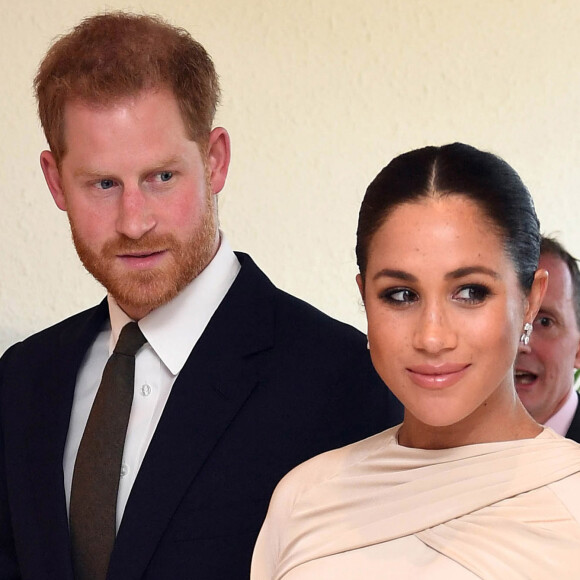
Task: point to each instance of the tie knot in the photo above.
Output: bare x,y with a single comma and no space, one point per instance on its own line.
130,340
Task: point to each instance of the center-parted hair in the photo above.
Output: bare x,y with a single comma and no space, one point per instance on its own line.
116,55
456,169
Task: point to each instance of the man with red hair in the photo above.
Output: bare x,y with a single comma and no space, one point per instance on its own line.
232,382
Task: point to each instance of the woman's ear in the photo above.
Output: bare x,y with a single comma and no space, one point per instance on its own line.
536,295
361,286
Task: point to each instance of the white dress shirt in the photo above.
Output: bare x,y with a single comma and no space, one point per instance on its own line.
172,330
561,420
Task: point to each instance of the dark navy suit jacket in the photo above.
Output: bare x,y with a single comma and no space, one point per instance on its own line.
574,429
271,382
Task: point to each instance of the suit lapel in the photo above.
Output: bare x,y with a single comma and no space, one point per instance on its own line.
50,408
55,401
216,380
574,430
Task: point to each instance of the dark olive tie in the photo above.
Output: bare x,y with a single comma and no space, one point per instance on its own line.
93,502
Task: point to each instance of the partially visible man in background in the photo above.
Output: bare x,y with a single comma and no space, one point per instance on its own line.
545,366
218,382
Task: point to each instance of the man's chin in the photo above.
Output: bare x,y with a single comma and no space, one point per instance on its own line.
143,297
138,290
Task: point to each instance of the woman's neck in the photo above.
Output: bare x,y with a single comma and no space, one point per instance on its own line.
507,423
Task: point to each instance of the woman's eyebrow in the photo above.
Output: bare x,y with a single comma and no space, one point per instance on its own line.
399,274
467,270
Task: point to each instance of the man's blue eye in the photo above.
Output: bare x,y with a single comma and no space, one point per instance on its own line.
106,183
165,175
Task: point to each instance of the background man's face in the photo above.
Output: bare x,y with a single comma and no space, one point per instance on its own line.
544,369
138,194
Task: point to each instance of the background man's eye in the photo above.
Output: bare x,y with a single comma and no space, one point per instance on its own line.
165,175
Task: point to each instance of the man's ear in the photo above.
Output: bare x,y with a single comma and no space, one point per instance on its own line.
218,158
53,179
536,295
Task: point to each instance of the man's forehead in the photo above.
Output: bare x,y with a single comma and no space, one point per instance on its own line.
559,297
104,100
556,268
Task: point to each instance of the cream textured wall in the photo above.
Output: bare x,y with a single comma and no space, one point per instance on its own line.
318,95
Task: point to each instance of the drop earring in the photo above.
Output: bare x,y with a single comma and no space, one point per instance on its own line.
525,337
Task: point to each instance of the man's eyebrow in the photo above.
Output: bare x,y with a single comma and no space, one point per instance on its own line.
164,164
549,312
87,173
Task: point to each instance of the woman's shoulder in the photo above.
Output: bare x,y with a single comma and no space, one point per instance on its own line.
328,465
567,491
566,488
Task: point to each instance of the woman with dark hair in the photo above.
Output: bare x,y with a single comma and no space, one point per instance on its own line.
469,485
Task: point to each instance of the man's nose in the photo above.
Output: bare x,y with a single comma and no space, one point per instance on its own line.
135,216
525,348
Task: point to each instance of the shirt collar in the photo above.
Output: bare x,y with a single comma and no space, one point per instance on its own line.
561,420
173,329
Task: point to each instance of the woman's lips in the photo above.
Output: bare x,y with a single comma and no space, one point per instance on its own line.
437,376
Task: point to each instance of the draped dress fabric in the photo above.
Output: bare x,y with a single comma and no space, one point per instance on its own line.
376,509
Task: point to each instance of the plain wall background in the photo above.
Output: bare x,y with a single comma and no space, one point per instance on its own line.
318,95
